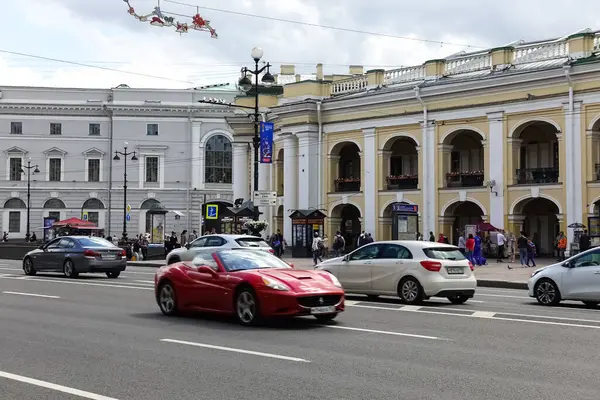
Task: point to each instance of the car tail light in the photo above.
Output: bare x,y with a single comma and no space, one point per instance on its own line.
471,266
91,253
433,266
123,253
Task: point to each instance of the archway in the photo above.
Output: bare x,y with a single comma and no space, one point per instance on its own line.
345,167
461,215
14,217
280,171
349,225
218,160
535,153
55,208
401,164
463,158
93,209
407,229
540,222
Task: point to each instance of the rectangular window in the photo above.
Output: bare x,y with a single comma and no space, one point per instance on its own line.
16,128
94,170
14,221
94,129
55,128
54,214
93,216
55,169
152,129
15,169
151,169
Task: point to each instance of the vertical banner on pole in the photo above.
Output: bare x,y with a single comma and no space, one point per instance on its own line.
266,142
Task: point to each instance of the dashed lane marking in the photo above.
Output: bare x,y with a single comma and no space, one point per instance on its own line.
32,295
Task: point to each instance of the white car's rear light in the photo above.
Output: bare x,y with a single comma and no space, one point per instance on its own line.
433,266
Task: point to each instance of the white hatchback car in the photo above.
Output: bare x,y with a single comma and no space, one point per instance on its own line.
188,253
577,278
411,270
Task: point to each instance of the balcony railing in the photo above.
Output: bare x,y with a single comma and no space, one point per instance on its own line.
464,179
404,182
537,175
347,185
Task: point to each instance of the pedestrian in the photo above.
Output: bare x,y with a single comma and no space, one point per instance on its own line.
470,247
431,237
317,245
5,237
584,241
369,238
531,253
478,258
511,241
136,248
33,237
144,246
277,243
361,240
419,236
522,245
441,238
338,245
184,237
561,246
500,241
462,243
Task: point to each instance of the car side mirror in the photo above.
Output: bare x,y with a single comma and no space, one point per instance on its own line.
346,258
291,265
188,245
568,265
207,270
41,247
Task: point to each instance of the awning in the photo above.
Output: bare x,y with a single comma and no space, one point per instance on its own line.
487,227
178,213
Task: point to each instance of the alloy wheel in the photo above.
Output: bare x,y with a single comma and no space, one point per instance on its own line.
69,269
546,293
28,267
167,299
410,291
246,307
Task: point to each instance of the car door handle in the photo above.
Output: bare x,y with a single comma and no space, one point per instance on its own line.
368,262
597,273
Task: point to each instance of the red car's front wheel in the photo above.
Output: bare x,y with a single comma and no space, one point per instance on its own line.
246,307
167,300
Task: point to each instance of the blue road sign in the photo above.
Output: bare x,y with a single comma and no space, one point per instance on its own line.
212,211
128,217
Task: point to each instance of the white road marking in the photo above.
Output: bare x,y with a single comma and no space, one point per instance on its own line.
476,301
504,296
32,295
53,386
234,350
127,272
383,332
32,279
145,281
11,269
483,314
411,308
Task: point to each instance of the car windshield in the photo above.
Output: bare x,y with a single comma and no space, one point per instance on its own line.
444,253
252,242
245,260
94,242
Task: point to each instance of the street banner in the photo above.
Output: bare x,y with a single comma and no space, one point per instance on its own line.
266,142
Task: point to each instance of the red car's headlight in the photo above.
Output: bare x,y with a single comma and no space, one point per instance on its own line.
273,284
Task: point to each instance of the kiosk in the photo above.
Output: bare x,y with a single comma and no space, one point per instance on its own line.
405,221
304,225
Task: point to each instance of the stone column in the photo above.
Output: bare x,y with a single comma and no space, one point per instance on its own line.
308,153
495,168
240,171
369,180
419,169
384,157
445,227
197,166
590,148
513,160
445,164
429,183
290,183
572,182
515,224
334,169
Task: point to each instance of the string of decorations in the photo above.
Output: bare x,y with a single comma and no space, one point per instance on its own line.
160,19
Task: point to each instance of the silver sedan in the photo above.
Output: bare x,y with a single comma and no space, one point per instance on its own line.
73,255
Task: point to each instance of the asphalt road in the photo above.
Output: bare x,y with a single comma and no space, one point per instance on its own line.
105,339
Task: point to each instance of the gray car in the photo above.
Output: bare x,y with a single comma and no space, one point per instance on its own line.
73,255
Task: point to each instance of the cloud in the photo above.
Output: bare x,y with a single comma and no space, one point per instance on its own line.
102,33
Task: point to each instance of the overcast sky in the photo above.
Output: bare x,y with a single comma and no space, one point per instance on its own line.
102,33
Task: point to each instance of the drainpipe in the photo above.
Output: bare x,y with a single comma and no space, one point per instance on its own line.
320,158
571,187
110,166
427,197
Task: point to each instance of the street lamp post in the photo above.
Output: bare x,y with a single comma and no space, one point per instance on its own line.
125,154
246,85
36,170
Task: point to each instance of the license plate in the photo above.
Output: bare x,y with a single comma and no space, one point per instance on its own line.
455,271
322,310
109,257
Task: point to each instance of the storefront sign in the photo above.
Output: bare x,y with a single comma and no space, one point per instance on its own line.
405,208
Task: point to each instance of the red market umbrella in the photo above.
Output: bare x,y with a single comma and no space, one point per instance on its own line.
74,223
487,227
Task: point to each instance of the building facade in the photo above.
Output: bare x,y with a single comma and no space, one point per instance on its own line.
509,136
186,151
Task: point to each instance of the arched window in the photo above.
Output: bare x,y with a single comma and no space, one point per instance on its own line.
55,204
93,204
150,203
218,160
14,203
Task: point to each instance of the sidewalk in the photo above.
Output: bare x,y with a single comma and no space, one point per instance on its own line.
496,275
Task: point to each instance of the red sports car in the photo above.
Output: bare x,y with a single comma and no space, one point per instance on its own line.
247,284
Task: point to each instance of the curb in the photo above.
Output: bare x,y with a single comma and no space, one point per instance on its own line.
501,284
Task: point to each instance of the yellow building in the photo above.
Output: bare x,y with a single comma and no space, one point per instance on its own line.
509,136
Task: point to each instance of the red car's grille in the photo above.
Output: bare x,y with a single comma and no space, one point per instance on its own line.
318,301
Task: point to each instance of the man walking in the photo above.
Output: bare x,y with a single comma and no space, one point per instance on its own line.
584,241
500,240
523,246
